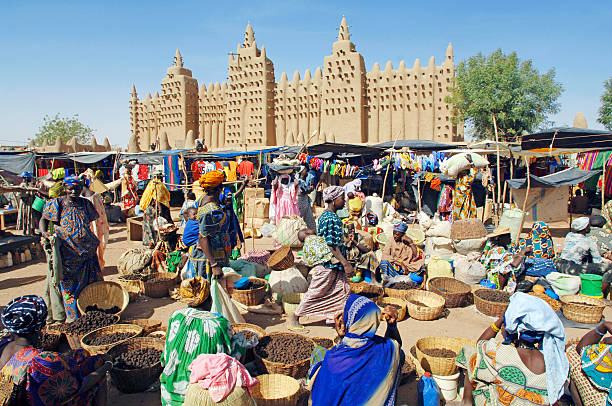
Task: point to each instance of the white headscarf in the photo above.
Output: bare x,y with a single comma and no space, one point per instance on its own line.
352,186
580,223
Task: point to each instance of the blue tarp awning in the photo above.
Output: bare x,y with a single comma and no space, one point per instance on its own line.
572,176
17,162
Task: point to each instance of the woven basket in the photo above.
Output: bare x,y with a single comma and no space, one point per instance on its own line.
251,297
296,370
159,334
133,287
291,302
417,235
116,328
412,355
452,290
554,304
281,259
401,313
160,288
238,327
53,344
324,338
495,309
276,390
442,366
104,294
363,287
74,340
434,305
135,380
381,239
467,229
582,309
148,325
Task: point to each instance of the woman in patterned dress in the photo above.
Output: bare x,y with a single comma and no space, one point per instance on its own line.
71,216
464,206
501,264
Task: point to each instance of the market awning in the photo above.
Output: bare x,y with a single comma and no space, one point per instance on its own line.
571,176
90,157
416,145
567,138
227,153
334,148
17,162
149,158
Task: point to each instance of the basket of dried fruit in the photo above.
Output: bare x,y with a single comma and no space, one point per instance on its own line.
454,291
412,356
248,330
157,284
88,322
582,309
491,302
136,363
285,354
101,340
132,283
437,354
105,296
554,304
368,290
276,390
399,289
253,294
424,305
47,339
399,305
281,259
327,343
148,325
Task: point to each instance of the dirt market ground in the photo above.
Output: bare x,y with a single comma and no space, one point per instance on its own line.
463,322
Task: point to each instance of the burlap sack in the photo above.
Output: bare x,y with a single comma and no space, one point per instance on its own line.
287,231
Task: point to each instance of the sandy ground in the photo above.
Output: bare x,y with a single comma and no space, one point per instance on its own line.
463,322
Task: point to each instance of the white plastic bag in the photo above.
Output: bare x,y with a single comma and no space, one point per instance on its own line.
467,246
440,247
424,221
222,304
439,228
288,282
469,271
564,284
267,230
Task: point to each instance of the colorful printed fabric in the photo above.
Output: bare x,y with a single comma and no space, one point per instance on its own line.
25,314
155,190
326,295
364,368
330,228
499,376
219,374
580,249
172,176
214,225
588,393
607,214
192,332
497,260
316,251
100,227
540,239
388,270
594,364
602,238
464,206
128,191
78,248
13,375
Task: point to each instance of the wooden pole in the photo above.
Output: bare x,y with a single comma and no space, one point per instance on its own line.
603,184
419,190
259,159
526,197
498,168
388,167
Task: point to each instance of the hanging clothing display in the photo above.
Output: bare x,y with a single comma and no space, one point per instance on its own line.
283,199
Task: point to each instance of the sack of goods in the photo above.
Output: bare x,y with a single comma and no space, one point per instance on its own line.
468,236
458,163
287,231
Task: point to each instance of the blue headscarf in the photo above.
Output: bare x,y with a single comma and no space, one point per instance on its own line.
25,314
401,227
26,174
72,180
361,370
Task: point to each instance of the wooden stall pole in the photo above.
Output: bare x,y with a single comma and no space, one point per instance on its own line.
387,172
603,184
526,196
498,169
259,159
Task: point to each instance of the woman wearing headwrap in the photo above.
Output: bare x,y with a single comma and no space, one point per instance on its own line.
31,376
528,368
155,202
128,189
401,256
501,264
71,216
354,189
464,206
330,227
371,227
355,206
99,227
328,288
540,260
226,198
359,251
364,368
305,187
57,189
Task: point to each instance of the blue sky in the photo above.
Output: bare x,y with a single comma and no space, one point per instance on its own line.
83,56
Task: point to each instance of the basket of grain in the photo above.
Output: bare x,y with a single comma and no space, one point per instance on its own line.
285,354
554,304
281,259
101,340
372,292
437,354
157,284
582,309
132,283
324,342
399,305
455,292
399,289
424,305
148,325
276,390
136,363
104,296
491,302
252,296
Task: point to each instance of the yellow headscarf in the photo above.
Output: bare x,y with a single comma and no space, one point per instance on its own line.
162,194
211,180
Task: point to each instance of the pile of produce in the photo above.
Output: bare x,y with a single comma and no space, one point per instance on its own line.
249,334
324,342
493,295
286,349
440,352
88,322
45,341
404,285
109,338
134,277
370,295
95,308
137,359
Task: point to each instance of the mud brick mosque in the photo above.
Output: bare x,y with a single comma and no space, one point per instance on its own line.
342,102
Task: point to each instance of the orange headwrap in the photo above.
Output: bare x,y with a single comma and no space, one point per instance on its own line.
212,179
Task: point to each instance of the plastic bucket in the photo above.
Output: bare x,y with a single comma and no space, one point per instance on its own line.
38,204
447,385
590,285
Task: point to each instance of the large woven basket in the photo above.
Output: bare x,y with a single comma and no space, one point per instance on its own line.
74,340
554,304
134,287
238,327
296,370
373,292
401,313
495,309
291,302
442,366
417,235
165,281
318,339
454,291
401,293
276,390
135,380
468,229
582,309
115,328
148,325
434,304
281,259
104,295
251,297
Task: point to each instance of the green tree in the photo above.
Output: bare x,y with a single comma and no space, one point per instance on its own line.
513,91
605,111
65,128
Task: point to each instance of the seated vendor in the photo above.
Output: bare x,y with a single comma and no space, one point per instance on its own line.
359,248
363,369
371,227
355,206
401,256
528,368
539,261
600,234
502,266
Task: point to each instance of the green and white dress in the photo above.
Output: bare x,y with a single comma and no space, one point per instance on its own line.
192,332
